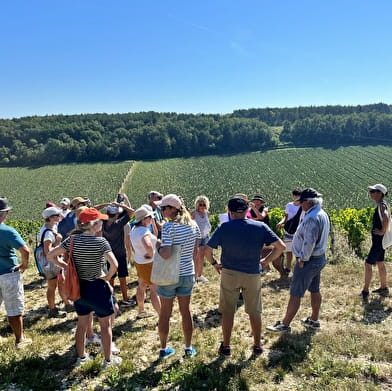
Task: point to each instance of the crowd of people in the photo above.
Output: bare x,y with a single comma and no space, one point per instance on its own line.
103,245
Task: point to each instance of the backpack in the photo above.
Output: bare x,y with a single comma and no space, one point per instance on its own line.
387,238
66,225
46,269
291,225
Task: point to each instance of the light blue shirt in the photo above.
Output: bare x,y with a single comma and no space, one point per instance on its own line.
311,237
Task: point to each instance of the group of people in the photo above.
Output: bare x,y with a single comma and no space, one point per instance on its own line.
102,245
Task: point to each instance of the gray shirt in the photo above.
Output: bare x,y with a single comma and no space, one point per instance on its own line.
311,237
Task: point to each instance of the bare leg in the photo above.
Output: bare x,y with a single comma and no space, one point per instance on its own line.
382,272
315,301
80,334
184,303
123,287
227,327
50,293
292,309
60,286
155,300
289,258
16,323
255,323
368,277
106,336
164,318
141,293
200,261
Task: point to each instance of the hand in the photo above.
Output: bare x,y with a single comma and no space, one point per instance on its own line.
22,267
279,226
218,267
301,264
378,232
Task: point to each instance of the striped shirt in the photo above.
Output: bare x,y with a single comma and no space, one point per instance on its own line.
185,236
88,255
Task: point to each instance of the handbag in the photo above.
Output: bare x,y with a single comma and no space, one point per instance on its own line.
71,283
290,226
387,238
166,271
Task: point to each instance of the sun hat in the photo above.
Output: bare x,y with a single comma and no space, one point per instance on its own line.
237,204
258,197
379,187
113,209
308,194
91,214
170,200
78,200
65,201
51,211
4,207
141,213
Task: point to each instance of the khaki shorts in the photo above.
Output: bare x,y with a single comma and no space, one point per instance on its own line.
232,282
144,272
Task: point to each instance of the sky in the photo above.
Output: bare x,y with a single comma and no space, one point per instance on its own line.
215,56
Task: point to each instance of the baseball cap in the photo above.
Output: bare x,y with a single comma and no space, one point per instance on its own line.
308,194
112,209
4,207
170,200
142,213
91,214
154,193
51,211
379,187
49,204
237,204
65,201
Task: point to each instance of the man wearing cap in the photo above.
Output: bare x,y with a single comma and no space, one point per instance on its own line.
11,281
309,247
64,205
376,254
154,199
241,241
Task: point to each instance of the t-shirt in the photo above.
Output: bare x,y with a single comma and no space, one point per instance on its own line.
241,241
137,234
88,255
115,234
291,210
10,240
50,234
184,235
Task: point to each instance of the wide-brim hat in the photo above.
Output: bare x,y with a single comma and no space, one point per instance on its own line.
4,207
141,213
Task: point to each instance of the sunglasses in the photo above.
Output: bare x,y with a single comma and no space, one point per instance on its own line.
374,191
165,207
202,204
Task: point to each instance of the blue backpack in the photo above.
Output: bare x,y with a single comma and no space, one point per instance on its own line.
46,269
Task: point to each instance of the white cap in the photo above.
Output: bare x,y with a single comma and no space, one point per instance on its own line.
65,201
51,211
379,187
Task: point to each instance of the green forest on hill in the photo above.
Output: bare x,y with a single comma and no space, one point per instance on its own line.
42,140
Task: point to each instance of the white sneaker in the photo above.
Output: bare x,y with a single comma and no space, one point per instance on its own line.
94,340
201,279
82,360
115,360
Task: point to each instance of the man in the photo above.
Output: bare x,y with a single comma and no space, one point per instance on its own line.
154,199
64,205
241,241
309,247
11,281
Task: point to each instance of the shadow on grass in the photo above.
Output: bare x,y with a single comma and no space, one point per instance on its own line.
212,319
376,311
279,284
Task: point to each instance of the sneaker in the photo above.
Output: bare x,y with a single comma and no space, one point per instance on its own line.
127,303
144,314
257,350
364,295
23,343
115,360
201,279
165,353
279,327
287,271
382,291
82,360
310,323
69,308
56,313
190,352
94,340
224,350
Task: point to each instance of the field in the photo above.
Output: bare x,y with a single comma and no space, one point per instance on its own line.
341,175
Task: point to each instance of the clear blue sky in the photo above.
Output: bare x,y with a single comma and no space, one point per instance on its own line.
215,56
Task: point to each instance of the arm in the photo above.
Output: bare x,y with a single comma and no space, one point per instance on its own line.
278,248
113,264
282,222
54,254
146,241
127,242
208,253
384,221
25,253
101,206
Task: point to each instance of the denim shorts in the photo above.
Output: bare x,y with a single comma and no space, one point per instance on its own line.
96,296
184,287
204,241
307,278
12,293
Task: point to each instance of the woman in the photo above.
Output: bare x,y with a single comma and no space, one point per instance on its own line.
179,230
50,238
201,216
90,253
376,255
143,244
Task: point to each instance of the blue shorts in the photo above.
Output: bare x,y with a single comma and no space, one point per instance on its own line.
307,278
96,296
204,241
184,287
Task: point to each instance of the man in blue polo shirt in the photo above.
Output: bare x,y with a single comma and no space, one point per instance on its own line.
11,281
241,241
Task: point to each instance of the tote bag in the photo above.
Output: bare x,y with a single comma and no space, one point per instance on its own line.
71,284
387,238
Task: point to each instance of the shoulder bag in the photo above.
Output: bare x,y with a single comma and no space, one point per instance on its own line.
71,284
166,271
387,238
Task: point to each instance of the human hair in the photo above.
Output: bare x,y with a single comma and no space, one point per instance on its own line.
296,191
202,198
83,227
316,201
183,217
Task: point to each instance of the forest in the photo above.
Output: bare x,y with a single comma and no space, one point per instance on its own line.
54,139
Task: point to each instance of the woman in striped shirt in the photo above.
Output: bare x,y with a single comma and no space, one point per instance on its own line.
179,230
90,254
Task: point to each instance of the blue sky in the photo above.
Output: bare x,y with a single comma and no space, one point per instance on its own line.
89,56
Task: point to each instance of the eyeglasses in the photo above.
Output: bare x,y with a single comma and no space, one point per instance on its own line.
202,204
165,207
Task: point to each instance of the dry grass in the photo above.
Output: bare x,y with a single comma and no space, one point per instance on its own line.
352,351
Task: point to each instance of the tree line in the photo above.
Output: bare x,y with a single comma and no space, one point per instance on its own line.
41,140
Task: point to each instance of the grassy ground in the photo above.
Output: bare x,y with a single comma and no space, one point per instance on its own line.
352,351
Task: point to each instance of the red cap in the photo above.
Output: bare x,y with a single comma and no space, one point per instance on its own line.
91,214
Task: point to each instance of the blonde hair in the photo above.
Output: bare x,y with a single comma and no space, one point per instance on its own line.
183,217
202,198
